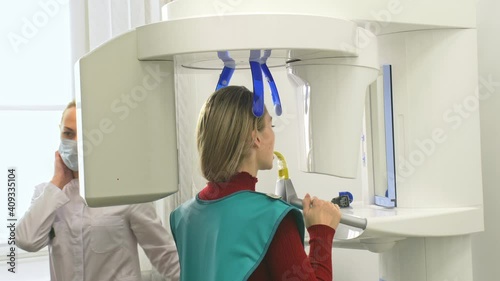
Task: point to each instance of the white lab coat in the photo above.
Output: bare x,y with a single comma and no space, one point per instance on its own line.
94,244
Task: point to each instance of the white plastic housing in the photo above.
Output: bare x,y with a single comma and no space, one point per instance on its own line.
332,103
436,117
331,96
378,16
439,185
126,123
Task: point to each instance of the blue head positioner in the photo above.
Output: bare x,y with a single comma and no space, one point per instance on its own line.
270,80
257,66
227,71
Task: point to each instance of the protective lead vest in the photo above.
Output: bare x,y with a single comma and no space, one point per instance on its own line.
226,239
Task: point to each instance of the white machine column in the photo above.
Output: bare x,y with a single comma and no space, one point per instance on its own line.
429,259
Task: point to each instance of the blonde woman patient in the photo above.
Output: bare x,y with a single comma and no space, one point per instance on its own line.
91,244
229,231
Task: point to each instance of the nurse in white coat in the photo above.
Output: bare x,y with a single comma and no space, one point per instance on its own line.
91,244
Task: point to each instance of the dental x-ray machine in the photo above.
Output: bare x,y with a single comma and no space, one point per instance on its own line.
409,66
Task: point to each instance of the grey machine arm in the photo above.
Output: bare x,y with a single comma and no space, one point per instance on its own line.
285,189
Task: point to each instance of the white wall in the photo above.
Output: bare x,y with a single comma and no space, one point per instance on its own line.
486,246
28,269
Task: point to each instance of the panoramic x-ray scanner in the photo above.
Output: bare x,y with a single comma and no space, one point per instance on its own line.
391,71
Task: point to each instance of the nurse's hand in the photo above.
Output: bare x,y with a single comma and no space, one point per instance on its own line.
317,211
62,174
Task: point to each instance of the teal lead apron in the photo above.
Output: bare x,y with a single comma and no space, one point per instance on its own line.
226,239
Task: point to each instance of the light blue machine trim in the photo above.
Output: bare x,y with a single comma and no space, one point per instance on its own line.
390,199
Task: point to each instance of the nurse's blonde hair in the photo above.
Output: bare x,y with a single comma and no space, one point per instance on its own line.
224,133
70,105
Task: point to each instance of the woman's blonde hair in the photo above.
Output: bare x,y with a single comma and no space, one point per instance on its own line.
70,105
224,133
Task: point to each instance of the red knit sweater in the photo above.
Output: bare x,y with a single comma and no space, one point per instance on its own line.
285,259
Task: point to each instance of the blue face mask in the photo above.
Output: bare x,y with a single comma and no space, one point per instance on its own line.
69,153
